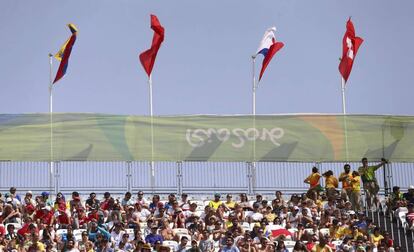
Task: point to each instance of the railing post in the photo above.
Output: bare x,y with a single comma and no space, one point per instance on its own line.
386,186
57,177
179,177
129,176
249,176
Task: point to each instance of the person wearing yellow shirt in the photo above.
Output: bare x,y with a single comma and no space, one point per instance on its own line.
376,237
331,183
356,191
313,181
322,246
356,233
345,178
343,231
214,204
229,204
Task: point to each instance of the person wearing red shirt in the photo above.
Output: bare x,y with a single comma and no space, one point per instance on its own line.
44,217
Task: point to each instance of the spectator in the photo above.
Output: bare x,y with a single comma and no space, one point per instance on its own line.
84,243
127,201
214,204
313,181
92,202
376,237
281,247
331,183
255,215
369,180
153,206
345,177
94,230
124,244
171,200
410,216
153,236
356,191
44,197
142,200
409,196
322,246
14,195
75,203
244,202
229,247
395,199
182,245
184,203
230,204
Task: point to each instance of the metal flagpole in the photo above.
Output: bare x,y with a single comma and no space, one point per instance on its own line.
51,164
152,167
253,171
343,95
344,112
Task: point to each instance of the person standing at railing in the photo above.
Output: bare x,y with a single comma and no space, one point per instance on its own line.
345,177
331,183
313,181
355,196
369,180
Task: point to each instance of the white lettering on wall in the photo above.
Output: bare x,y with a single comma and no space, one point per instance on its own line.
199,137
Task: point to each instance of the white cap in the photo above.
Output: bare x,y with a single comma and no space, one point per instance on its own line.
411,187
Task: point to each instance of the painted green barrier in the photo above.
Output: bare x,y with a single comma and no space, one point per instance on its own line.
30,137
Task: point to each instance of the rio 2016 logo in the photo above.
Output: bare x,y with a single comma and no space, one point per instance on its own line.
199,137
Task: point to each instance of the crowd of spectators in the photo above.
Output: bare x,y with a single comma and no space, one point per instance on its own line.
322,219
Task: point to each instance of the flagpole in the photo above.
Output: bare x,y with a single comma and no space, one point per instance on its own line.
51,164
152,167
344,113
343,95
254,85
253,172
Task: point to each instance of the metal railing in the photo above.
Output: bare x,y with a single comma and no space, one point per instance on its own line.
177,177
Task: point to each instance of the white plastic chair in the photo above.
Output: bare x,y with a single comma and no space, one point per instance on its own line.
337,242
171,244
324,231
309,231
130,232
180,231
246,226
289,244
402,217
60,232
77,233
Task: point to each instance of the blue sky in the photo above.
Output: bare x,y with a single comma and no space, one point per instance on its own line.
204,64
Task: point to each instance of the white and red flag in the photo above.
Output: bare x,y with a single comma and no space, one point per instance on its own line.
350,45
268,48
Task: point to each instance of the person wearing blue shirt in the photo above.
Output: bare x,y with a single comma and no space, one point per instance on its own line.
95,229
153,236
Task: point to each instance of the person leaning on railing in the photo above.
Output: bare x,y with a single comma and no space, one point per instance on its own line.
369,180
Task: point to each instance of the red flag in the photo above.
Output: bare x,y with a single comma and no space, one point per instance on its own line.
147,58
276,46
350,45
